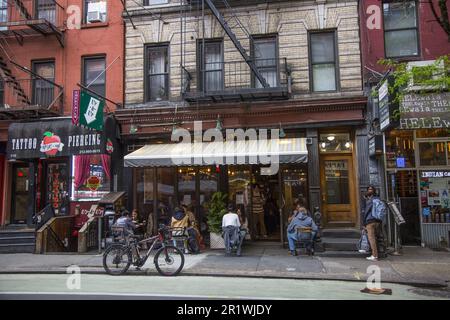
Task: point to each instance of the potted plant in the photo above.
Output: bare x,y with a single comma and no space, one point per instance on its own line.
216,210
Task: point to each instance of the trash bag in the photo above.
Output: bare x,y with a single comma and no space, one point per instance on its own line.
363,243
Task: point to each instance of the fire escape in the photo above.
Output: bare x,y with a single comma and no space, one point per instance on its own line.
248,79
26,93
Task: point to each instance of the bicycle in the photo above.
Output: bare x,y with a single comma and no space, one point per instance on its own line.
123,255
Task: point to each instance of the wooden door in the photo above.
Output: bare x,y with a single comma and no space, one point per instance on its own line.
338,191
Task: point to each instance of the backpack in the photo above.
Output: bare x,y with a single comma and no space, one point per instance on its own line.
379,209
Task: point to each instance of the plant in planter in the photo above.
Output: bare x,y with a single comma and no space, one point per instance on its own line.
216,210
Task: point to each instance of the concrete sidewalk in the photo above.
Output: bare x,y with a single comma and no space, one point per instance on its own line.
417,266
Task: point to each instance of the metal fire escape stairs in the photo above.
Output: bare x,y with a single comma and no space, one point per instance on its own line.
234,39
42,27
11,80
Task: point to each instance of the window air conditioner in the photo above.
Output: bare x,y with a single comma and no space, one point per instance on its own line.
94,16
415,85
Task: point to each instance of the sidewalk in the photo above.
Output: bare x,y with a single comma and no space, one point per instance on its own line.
417,266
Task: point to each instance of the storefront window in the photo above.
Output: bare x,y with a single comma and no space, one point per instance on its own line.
186,186
400,149
332,142
208,185
57,191
432,133
91,176
166,194
145,178
433,153
434,196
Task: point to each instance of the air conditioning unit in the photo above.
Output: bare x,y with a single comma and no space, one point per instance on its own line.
413,85
94,16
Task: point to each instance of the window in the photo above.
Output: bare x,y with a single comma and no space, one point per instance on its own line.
400,29
46,9
265,54
157,82
434,153
94,11
2,94
3,13
211,67
400,149
91,176
335,142
43,91
323,61
93,75
154,2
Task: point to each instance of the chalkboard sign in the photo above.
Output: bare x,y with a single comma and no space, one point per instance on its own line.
399,220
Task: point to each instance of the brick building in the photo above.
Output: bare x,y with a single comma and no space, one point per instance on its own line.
48,48
288,65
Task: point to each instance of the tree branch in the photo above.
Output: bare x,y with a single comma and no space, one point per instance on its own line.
443,20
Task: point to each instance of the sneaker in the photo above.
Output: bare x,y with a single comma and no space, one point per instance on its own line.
372,258
293,252
362,251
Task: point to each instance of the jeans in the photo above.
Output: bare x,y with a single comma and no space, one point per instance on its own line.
293,237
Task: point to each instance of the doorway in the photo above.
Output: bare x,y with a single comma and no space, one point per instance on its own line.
56,185
338,191
21,194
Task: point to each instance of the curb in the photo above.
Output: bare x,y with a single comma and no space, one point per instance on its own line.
98,271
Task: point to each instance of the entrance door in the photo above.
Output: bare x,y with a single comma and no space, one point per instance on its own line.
21,194
338,191
57,186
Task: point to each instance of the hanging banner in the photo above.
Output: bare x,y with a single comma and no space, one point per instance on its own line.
75,107
425,111
91,111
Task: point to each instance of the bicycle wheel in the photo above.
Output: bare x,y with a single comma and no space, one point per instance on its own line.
169,261
117,259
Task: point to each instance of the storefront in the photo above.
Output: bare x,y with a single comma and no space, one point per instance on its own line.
52,162
417,162
160,182
418,179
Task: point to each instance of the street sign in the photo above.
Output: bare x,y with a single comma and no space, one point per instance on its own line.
75,107
91,111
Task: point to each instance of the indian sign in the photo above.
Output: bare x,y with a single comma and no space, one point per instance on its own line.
425,111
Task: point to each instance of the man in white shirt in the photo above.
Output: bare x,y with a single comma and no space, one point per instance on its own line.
231,230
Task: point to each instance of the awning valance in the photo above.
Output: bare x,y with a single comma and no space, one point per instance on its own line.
262,152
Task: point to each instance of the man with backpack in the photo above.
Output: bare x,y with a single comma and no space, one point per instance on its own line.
374,212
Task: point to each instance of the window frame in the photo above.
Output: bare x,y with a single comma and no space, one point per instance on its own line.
336,62
200,62
85,13
83,70
34,63
147,48
266,38
37,7
401,29
148,4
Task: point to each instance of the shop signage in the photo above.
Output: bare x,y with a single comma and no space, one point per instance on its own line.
387,108
435,174
76,107
93,183
91,111
56,138
376,145
425,111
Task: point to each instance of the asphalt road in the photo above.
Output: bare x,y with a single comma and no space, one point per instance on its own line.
54,286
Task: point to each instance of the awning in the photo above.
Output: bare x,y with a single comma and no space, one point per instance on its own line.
262,152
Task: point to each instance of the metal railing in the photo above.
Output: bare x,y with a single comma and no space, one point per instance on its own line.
23,93
18,11
236,75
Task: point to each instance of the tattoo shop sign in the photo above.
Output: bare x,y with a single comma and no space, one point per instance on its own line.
425,111
56,138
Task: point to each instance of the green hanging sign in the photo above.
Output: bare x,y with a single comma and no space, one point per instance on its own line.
91,111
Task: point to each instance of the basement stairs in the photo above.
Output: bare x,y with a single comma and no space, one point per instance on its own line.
17,239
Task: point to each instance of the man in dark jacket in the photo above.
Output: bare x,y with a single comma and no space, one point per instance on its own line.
371,224
301,220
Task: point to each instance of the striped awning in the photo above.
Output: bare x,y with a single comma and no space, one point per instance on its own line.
262,152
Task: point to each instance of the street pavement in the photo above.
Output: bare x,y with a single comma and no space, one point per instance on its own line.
98,286
417,266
